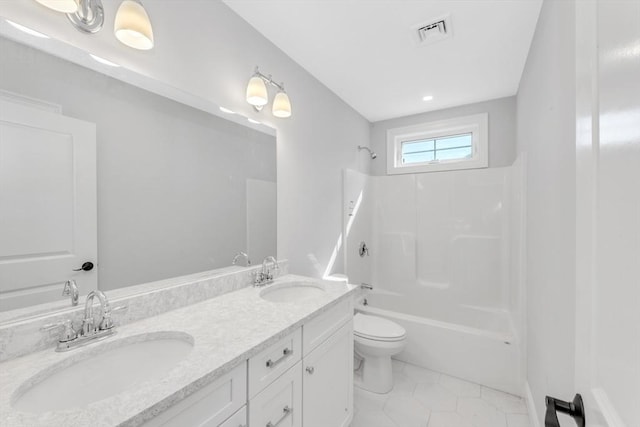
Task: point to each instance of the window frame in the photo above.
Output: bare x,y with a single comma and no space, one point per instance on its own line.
477,125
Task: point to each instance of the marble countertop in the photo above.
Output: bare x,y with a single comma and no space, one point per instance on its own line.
226,331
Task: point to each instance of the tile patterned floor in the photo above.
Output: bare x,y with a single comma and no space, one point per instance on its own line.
424,398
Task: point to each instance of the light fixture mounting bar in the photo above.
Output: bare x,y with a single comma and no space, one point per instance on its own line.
268,79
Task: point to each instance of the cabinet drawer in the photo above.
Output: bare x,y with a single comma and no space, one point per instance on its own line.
209,406
273,361
320,328
280,404
239,419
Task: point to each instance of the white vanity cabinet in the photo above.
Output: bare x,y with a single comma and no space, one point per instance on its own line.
280,403
211,406
304,379
327,381
327,375
316,391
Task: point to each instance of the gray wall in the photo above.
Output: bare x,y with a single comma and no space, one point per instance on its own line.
502,130
546,139
171,179
205,49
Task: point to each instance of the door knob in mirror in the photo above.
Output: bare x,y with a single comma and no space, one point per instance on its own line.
87,266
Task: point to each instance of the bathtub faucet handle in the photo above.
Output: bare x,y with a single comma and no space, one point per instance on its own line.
366,286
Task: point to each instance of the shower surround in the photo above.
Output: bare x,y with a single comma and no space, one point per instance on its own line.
443,262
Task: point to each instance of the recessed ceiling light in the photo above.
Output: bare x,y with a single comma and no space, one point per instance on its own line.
255,122
427,98
226,110
27,30
103,61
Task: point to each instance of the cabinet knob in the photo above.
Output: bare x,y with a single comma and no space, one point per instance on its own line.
310,369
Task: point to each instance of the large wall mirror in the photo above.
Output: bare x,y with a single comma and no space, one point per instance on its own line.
170,189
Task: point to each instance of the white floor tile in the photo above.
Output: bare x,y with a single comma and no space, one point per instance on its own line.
421,375
405,411
403,384
424,398
480,413
447,419
372,419
460,387
507,403
517,420
435,397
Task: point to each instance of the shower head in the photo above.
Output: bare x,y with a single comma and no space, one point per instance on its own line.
371,153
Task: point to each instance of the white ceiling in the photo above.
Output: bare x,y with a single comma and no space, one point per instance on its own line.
363,50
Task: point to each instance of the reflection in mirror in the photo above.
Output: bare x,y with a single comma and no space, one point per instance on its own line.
177,190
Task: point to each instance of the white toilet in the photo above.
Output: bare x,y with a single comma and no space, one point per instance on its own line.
376,340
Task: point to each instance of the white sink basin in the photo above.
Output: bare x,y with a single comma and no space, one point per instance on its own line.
106,370
292,292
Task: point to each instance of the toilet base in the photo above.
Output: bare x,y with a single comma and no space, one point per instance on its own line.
377,376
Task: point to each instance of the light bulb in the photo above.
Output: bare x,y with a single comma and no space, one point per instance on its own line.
132,26
281,105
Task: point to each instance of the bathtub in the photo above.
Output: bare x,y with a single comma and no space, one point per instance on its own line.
472,343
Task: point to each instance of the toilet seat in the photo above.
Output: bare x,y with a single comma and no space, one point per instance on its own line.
377,329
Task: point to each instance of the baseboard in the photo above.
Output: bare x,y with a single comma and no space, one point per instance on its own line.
531,406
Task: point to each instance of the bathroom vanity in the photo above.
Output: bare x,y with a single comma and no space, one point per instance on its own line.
281,354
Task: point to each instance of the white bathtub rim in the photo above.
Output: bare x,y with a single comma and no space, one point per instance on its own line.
503,337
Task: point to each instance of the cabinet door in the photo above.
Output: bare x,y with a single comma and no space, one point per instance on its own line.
209,406
327,381
280,404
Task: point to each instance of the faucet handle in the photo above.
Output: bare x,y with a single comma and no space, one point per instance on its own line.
107,321
68,334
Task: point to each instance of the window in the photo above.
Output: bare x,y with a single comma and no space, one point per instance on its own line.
459,143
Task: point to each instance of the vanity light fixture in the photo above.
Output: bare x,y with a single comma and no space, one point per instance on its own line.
427,98
132,26
86,15
258,96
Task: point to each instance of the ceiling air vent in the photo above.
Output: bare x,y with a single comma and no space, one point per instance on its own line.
432,30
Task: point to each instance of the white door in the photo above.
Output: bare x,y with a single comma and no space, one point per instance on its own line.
47,204
608,212
327,381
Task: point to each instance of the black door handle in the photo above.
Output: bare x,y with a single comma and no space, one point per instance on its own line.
575,409
87,266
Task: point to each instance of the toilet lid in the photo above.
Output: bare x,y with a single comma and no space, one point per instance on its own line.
376,328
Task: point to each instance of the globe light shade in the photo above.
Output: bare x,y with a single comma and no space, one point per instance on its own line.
257,92
132,25
64,6
281,105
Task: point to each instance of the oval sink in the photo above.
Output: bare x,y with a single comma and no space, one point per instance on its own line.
292,292
102,372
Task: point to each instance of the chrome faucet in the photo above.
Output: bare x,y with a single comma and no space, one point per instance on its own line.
88,323
241,255
266,276
70,338
71,290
